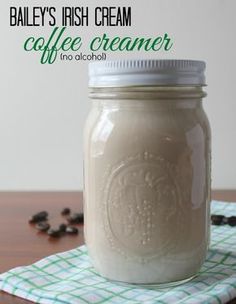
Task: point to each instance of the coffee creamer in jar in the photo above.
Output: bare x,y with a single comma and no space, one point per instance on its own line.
147,170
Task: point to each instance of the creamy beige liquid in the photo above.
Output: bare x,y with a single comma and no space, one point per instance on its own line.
147,188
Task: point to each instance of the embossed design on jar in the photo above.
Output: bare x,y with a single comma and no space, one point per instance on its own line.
141,198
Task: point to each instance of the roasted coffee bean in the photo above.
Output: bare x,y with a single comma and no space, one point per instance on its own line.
62,227
76,218
54,233
217,219
39,217
42,226
232,221
225,220
65,211
72,230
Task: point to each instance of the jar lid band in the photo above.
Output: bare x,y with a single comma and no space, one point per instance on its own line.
146,72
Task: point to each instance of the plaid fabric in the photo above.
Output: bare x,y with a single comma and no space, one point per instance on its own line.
68,277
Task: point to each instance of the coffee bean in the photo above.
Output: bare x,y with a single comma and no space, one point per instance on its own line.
65,211
39,217
54,233
232,221
225,220
76,218
72,230
217,220
62,227
42,226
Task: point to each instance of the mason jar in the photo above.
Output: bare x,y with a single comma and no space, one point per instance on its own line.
147,170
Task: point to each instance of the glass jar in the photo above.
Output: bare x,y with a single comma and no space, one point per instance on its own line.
147,171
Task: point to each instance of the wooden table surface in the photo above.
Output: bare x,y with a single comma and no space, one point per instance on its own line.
21,244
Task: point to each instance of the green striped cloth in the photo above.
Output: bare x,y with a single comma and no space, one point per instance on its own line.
68,277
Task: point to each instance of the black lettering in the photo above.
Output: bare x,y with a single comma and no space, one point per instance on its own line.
20,19
51,12
98,22
105,15
13,18
67,16
35,16
82,16
127,16
113,18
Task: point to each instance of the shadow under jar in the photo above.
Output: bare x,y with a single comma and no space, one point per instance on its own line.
147,171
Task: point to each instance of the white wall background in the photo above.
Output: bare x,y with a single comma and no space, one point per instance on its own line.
43,107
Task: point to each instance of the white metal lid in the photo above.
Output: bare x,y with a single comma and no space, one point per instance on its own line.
146,72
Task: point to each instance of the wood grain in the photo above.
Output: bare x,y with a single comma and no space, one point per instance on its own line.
21,244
